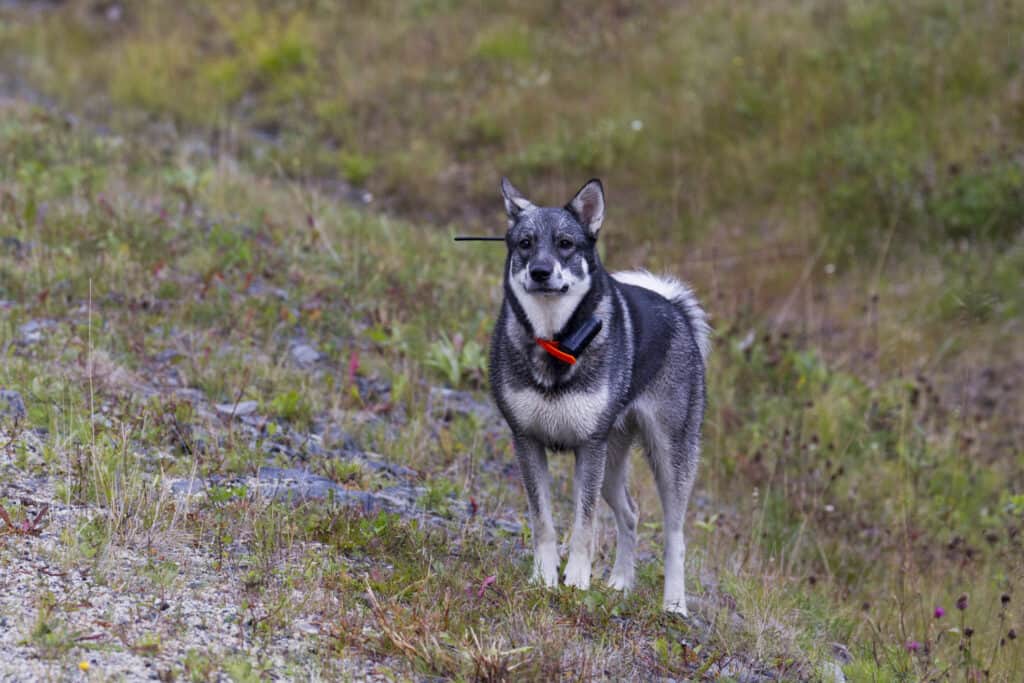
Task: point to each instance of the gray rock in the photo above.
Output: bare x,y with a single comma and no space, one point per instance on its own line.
296,486
742,672
305,355
390,468
506,526
335,436
168,355
31,332
16,247
190,395
399,497
188,487
261,288
461,403
237,410
12,405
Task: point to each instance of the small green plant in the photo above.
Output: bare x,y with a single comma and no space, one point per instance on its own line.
347,472
985,202
458,361
49,635
148,643
200,667
291,405
505,43
356,167
675,655
241,670
161,574
219,496
438,496
92,537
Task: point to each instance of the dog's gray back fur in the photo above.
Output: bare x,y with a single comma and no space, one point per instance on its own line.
642,378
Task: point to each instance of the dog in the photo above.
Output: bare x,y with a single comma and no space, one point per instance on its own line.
641,377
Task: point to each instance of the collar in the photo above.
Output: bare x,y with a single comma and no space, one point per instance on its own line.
551,346
569,349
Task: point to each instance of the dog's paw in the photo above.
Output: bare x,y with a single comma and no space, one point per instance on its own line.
577,572
545,569
621,581
676,606
542,577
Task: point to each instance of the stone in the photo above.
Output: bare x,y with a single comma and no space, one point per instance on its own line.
31,332
237,409
12,405
305,355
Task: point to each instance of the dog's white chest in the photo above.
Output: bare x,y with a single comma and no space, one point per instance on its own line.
566,419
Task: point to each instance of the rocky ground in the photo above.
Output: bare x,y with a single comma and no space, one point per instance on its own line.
131,615
159,605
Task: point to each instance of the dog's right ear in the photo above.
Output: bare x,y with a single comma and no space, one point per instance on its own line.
515,202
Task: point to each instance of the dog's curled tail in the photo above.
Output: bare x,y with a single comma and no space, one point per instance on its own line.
679,293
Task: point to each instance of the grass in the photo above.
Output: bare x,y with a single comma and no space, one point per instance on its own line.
866,117
818,173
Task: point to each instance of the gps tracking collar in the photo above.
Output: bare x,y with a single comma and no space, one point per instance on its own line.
569,349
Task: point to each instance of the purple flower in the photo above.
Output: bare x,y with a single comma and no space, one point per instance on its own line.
939,612
961,602
912,646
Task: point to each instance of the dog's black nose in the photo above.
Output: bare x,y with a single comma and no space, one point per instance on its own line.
540,272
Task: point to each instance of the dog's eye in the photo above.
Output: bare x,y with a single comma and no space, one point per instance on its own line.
525,243
566,243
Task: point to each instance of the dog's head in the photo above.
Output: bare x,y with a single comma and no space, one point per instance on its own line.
553,251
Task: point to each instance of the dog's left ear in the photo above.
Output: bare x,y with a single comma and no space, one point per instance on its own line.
588,206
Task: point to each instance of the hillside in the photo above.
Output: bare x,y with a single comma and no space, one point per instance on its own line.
244,428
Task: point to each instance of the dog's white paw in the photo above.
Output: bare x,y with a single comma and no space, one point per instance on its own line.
545,568
676,606
577,572
620,581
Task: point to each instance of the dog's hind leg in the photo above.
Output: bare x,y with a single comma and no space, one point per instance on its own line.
673,454
587,479
616,494
533,465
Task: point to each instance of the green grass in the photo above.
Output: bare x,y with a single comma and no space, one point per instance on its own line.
820,173
847,118
832,491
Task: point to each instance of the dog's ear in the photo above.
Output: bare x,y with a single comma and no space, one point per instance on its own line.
588,206
515,202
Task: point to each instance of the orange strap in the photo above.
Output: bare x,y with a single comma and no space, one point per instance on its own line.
551,347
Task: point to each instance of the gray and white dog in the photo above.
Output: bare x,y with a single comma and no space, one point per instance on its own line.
641,376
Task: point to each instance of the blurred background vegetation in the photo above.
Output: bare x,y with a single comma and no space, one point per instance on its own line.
851,133
857,119
842,181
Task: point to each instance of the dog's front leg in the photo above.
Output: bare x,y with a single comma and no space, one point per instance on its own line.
533,464
587,480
